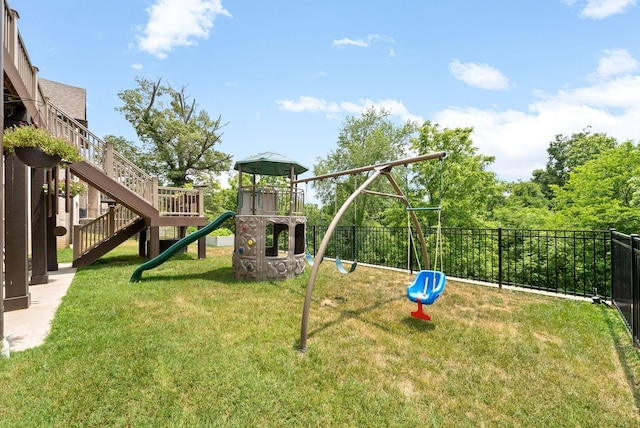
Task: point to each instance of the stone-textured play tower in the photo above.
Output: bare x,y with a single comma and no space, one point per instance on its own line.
270,222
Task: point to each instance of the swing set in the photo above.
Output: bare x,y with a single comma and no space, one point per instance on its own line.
427,285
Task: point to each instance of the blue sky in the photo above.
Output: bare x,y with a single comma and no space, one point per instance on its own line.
285,74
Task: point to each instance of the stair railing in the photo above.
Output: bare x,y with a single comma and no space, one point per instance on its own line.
91,235
168,200
100,153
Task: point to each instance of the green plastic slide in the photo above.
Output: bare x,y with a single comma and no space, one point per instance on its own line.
172,250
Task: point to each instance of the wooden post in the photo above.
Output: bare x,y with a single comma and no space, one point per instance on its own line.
108,160
155,197
202,246
77,242
16,235
201,201
111,219
4,345
154,241
142,243
38,227
52,244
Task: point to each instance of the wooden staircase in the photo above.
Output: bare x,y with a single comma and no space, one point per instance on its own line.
103,234
141,203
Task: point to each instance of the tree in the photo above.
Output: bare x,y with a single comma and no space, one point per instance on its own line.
566,154
130,151
178,138
602,193
525,206
366,140
467,192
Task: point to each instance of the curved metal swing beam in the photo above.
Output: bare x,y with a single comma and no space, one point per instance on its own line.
378,170
323,247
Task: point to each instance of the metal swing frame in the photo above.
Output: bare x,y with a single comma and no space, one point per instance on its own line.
378,170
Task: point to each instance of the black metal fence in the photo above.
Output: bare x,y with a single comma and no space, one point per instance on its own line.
581,263
569,262
625,280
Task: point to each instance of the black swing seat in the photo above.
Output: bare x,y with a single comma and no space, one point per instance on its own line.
341,268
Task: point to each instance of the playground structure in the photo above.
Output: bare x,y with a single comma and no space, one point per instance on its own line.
269,242
429,292
270,239
270,223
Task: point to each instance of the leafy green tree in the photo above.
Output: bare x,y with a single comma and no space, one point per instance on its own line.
317,216
525,207
366,140
467,192
130,150
602,193
566,154
178,139
218,199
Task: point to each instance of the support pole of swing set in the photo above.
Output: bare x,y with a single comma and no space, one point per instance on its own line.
323,247
378,169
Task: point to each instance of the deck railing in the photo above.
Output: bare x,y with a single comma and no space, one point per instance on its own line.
178,201
270,200
18,66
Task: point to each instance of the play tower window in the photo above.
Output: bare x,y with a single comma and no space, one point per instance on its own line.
276,239
299,239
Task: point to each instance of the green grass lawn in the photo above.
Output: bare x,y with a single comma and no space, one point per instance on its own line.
191,346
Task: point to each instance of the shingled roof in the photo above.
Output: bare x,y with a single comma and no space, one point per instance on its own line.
71,99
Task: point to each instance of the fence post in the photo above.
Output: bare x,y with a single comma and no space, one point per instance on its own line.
500,258
314,240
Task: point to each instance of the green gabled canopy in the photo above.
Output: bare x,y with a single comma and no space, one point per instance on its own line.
269,163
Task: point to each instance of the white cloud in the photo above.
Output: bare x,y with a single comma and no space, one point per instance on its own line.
350,42
334,109
519,139
371,38
600,9
480,75
175,23
137,66
616,61
306,103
